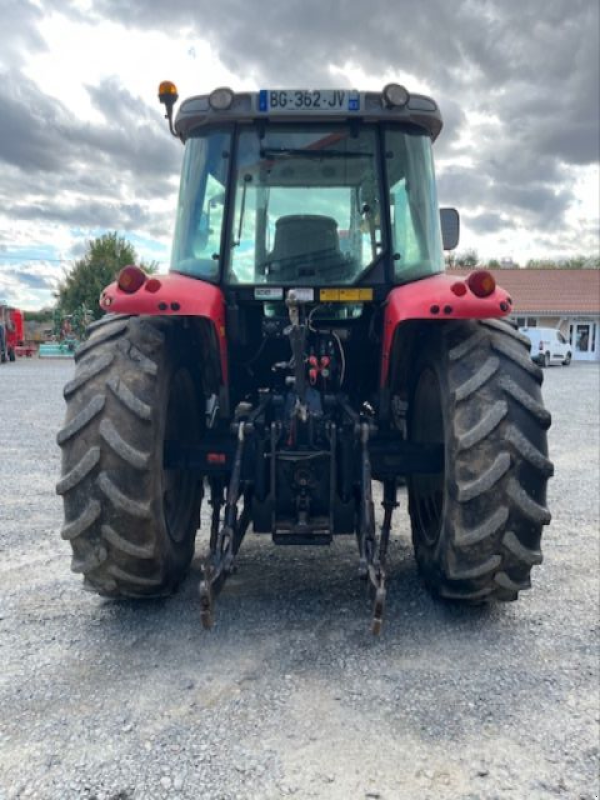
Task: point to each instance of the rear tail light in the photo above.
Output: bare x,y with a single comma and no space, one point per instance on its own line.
131,279
481,283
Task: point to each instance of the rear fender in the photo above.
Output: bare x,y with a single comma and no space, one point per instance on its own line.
433,298
176,296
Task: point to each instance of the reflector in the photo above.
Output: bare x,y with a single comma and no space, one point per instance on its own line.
153,285
459,288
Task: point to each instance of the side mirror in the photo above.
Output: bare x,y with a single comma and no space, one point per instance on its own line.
450,222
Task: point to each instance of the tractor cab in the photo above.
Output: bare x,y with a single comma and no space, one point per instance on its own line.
308,188
329,194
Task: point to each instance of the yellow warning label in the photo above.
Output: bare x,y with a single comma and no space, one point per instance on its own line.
346,295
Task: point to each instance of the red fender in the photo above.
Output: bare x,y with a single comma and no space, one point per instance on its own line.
438,297
173,295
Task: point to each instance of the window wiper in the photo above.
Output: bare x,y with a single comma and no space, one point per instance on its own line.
288,152
247,180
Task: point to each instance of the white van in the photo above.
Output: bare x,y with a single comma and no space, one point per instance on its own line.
548,346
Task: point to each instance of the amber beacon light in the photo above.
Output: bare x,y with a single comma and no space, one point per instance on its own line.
168,96
167,93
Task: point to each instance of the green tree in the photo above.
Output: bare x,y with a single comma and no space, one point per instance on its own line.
104,258
469,258
44,315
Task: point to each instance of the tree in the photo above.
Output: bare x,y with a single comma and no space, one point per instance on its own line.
469,258
44,315
105,257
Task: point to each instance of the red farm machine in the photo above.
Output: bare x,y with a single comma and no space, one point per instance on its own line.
11,333
305,344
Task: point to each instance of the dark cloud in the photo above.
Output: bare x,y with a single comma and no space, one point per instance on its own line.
490,222
517,84
35,281
90,215
534,64
39,133
84,175
529,70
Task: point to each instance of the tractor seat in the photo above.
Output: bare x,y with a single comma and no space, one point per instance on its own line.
304,245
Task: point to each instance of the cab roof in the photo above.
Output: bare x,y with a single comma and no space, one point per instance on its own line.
197,112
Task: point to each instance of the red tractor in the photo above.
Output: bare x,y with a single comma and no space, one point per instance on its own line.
282,368
11,333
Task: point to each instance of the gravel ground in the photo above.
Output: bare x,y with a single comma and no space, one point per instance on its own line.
290,695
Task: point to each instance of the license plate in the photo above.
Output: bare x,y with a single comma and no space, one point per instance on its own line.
288,101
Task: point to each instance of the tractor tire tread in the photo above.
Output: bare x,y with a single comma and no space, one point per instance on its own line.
529,451
111,536
121,501
77,473
486,480
86,415
522,359
91,561
94,368
498,465
473,384
133,403
534,511
80,524
526,401
488,422
525,554
466,537
107,319
136,458
101,335
110,483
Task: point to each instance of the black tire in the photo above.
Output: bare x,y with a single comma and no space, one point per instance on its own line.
131,524
12,355
477,525
567,360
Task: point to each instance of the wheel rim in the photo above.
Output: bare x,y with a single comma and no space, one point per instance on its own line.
179,486
428,427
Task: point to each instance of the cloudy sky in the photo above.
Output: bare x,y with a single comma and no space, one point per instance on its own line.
84,148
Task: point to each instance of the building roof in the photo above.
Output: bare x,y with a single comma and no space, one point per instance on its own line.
549,291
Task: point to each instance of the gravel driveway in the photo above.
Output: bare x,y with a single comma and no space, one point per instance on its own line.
290,695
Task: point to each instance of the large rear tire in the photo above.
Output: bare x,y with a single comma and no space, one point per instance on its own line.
477,525
130,522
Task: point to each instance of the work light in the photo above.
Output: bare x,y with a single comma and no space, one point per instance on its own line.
221,99
395,95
